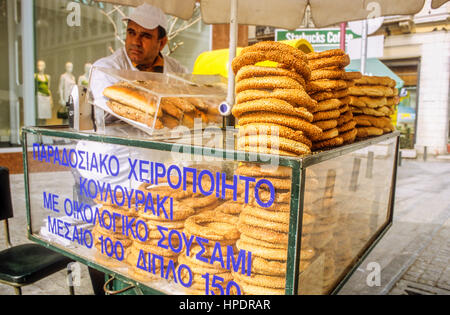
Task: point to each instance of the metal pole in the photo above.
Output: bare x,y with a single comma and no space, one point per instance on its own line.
14,84
232,54
28,47
343,33
364,46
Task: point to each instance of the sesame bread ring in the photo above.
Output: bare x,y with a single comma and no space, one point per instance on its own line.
320,74
356,101
249,289
320,96
325,85
344,108
251,58
373,102
271,105
258,71
344,118
212,225
329,114
180,211
328,134
337,61
335,142
375,80
268,267
326,124
195,266
263,252
261,280
379,122
154,249
263,234
325,105
294,96
392,101
261,150
356,110
173,225
351,75
276,216
193,261
345,100
364,132
349,136
268,83
266,170
379,112
276,130
280,119
325,54
347,126
230,207
272,45
262,243
362,120
273,141
371,90
281,202
265,224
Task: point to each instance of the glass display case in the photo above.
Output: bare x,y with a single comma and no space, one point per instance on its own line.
189,214
156,103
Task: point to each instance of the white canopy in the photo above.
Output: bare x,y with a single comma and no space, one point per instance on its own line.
286,14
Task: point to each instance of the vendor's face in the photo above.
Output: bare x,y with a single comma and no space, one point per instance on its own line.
142,45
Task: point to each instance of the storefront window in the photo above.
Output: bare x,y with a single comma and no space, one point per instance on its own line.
406,117
69,37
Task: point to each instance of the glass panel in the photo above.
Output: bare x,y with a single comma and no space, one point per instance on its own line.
179,223
157,103
346,204
69,37
72,35
188,39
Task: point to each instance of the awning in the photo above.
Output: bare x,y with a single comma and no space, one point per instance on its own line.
287,14
375,67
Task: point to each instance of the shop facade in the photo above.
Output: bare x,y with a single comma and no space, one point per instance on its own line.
417,49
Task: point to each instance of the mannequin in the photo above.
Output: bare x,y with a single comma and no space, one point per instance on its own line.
66,83
83,79
44,95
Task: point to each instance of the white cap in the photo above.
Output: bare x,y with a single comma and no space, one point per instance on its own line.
148,17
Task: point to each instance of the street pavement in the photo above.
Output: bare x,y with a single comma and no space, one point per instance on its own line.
413,256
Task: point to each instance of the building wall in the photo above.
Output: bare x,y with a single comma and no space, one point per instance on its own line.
433,119
433,48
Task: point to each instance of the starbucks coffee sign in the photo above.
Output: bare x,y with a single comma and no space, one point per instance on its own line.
321,39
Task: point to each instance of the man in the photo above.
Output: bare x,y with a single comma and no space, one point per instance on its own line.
145,39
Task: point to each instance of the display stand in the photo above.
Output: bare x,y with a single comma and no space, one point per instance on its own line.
340,202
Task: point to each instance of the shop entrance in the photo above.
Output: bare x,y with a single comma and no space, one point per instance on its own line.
406,120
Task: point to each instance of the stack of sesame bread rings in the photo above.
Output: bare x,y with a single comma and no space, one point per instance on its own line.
273,109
